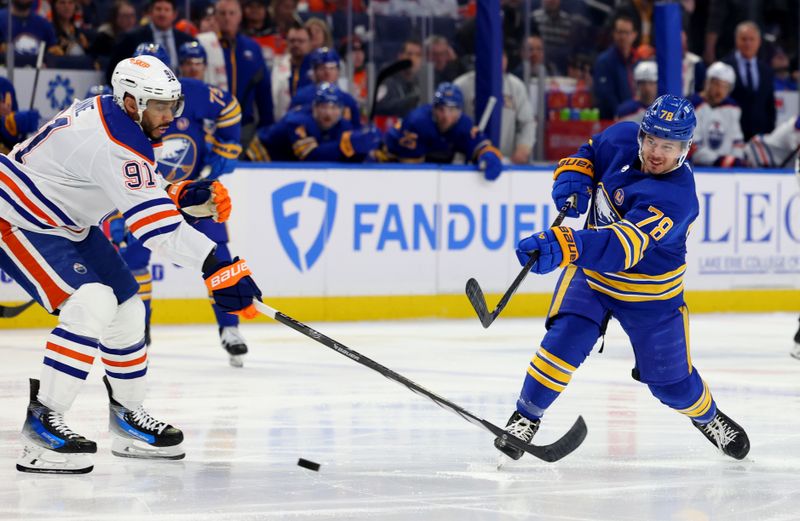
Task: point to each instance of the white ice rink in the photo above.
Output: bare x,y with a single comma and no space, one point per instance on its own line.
389,454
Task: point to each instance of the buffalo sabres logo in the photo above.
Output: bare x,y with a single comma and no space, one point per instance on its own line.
178,157
604,211
619,196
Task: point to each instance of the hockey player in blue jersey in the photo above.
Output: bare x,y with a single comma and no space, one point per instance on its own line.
435,132
318,133
325,65
189,149
15,124
628,264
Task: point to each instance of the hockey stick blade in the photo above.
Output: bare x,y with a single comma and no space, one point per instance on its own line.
383,75
553,452
475,293
13,311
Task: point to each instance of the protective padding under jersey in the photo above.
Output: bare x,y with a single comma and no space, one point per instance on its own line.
124,353
89,311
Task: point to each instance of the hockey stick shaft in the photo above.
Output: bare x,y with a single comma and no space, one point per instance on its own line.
487,113
39,59
13,311
475,293
385,73
557,450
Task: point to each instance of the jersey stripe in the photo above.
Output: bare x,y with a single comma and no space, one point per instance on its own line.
152,218
36,192
159,231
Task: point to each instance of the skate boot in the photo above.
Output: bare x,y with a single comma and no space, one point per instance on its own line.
726,434
520,427
49,445
796,349
233,342
136,434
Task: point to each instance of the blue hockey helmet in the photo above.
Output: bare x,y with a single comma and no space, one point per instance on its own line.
98,90
192,51
669,117
449,95
328,93
152,49
323,56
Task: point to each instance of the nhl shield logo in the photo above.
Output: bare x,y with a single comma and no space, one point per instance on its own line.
293,230
79,268
619,196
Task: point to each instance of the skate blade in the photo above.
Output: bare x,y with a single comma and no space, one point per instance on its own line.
126,448
39,460
236,360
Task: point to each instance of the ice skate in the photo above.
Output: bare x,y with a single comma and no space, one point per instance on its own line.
233,342
49,445
136,434
519,427
726,434
796,349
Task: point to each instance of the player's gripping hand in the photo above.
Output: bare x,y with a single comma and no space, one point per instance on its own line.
118,231
574,175
360,142
202,198
220,165
232,287
557,247
27,121
490,163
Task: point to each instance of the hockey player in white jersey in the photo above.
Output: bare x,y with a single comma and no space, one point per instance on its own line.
776,149
93,158
718,138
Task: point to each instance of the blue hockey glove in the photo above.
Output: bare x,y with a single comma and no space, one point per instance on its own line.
220,165
490,163
117,230
557,247
568,183
27,121
233,288
360,142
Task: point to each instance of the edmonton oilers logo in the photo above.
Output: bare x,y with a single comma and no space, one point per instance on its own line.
79,268
619,196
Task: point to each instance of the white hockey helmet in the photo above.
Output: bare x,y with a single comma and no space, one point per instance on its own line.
145,78
722,71
645,71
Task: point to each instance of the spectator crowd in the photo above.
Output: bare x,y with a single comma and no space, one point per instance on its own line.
302,82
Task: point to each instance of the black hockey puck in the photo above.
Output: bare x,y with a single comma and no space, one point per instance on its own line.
307,464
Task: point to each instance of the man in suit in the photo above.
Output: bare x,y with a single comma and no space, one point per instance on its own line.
162,14
754,90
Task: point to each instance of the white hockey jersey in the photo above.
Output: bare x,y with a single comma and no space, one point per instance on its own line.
776,148
87,162
718,132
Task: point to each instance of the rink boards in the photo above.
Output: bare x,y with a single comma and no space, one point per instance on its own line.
358,242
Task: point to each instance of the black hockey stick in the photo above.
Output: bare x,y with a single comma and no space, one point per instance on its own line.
13,311
553,452
386,72
789,157
475,293
39,59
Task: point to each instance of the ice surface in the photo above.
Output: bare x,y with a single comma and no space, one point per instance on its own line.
389,454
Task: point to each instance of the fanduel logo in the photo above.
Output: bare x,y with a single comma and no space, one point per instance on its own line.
287,222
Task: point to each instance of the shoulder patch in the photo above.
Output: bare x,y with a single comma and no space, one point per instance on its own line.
123,131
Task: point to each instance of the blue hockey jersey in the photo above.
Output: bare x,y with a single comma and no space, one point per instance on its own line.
634,249
210,123
417,139
297,137
305,97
